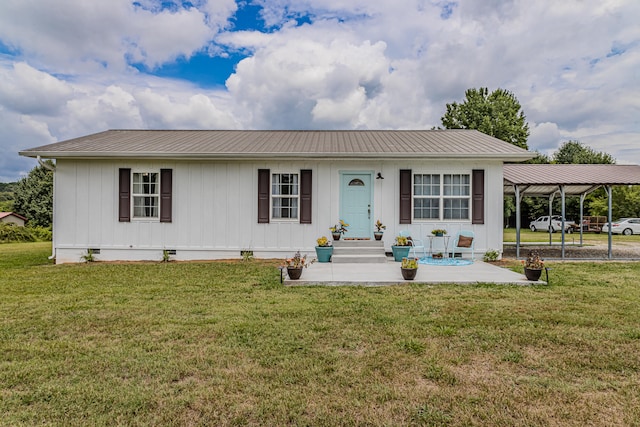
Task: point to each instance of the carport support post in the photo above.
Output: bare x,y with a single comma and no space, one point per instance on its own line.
550,215
609,194
562,218
518,222
582,196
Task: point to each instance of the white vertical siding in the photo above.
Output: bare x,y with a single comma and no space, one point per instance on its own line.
215,208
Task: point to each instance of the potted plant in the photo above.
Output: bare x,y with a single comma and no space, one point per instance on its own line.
409,268
324,250
438,232
401,248
338,229
379,227
533,266
295,265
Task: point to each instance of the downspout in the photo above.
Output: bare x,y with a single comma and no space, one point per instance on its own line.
53,234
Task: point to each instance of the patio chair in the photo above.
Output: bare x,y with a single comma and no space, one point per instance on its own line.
416,245
463,242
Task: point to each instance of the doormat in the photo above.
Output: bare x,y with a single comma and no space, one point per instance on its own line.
445,261
357,238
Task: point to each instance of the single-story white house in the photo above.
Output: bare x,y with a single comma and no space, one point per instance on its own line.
211,194
12,218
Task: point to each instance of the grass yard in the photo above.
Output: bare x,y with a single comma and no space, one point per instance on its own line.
527,235
225,344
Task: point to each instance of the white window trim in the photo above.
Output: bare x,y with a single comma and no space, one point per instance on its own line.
271,196
441,197
133,196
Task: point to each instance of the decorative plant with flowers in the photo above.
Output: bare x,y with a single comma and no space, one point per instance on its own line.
409,263
380,226
323,241
533,261
438,231
298,261
340,227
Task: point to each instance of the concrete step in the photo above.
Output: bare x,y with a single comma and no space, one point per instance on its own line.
365,250
358,244
359,259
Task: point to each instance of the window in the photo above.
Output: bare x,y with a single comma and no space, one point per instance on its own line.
146,194
426,192
150,192
456,196
284,195
445,196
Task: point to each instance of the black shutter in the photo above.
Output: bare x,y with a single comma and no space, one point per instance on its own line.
263,196
405,196
166,194
124,195
305,196
477,203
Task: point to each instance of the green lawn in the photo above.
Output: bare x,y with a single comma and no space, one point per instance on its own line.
226,344
527,235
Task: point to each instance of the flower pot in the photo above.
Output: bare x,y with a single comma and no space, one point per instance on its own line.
533,273
439,234
409,273
324,253
378,235
336,236
294,273
400,252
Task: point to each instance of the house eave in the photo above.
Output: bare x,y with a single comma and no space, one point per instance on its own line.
289,155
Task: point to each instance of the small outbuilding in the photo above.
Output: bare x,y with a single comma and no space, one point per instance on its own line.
12,218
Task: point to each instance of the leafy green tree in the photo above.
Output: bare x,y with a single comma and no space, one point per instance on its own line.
498,114
573,152
34,196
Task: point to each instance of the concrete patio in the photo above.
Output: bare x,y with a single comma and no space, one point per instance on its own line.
386,274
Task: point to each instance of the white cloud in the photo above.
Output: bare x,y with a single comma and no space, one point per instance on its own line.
29,91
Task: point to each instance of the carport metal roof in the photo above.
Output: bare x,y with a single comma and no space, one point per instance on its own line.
544,180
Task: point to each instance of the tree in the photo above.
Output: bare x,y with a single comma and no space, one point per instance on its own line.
34,196
573,152
498,114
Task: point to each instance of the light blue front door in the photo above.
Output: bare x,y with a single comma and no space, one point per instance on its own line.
355,203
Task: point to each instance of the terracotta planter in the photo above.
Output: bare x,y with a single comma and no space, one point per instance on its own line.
336,236
400,252
294,273
378,235
324,253
533,273
409,273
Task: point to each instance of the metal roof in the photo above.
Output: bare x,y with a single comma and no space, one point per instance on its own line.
543,179
213,144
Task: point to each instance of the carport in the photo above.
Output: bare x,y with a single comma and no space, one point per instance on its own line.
552,180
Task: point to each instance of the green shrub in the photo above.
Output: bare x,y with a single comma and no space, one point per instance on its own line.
42,234
491,255
10,232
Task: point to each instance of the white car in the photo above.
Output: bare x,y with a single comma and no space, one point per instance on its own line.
542,224
626,226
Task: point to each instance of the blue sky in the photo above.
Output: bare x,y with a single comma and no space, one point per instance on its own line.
71,67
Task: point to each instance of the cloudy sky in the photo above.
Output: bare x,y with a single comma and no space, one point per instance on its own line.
74,67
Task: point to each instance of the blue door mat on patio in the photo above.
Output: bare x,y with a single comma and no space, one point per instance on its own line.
445,261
